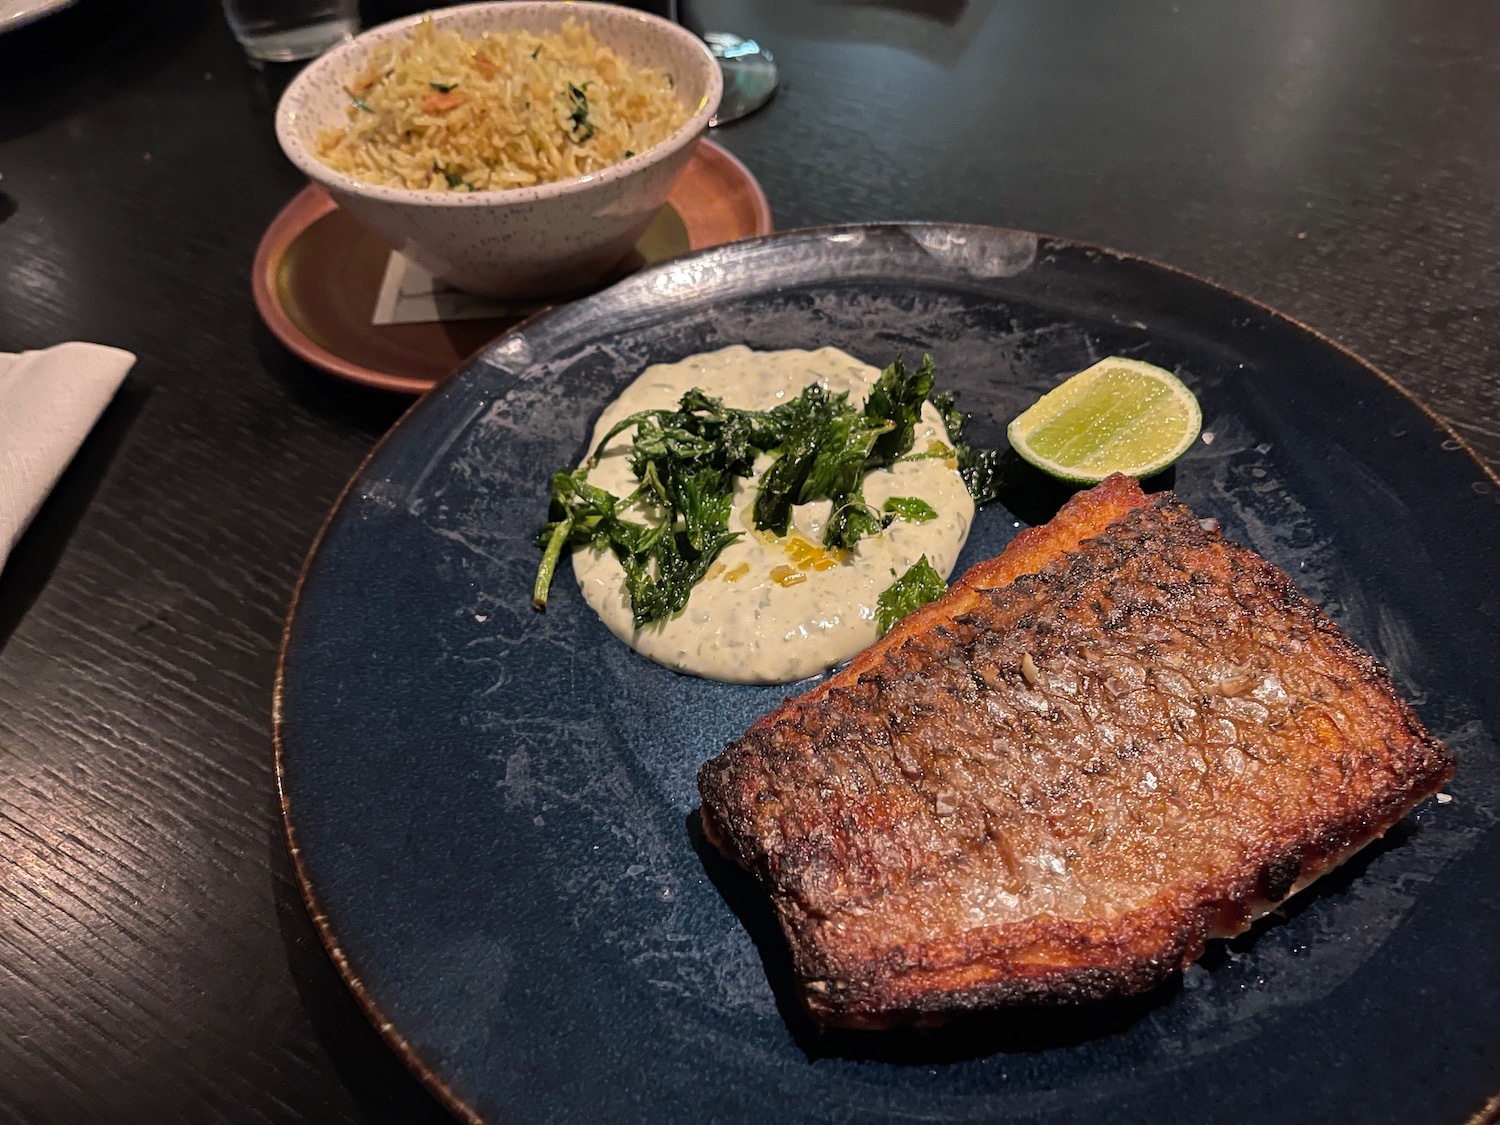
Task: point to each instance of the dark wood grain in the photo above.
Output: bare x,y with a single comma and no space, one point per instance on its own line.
1334,158
1327,158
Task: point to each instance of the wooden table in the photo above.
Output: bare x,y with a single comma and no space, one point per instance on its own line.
1336,159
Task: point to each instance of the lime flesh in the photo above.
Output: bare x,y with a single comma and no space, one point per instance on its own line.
1118,416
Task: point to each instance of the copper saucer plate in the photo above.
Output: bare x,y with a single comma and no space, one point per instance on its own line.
317,273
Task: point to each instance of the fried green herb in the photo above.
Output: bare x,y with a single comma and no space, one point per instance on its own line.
824,444
913,509
980,468
583,129
830,446
914,589
362,104
443,87
688,459
897,398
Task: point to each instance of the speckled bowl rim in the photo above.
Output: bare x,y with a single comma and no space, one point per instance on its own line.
515,11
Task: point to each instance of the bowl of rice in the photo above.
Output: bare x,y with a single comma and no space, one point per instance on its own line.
512,149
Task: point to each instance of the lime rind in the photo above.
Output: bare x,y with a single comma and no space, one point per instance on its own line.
1118,416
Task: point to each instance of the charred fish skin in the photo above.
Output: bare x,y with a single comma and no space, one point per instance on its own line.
1059,787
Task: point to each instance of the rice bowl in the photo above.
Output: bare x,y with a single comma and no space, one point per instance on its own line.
443,111
529,240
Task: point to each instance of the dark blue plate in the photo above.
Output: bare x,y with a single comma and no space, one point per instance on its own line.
493,811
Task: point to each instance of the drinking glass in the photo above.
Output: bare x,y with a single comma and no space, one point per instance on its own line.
750,75
286,30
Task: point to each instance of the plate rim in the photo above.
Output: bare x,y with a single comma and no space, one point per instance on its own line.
312,202
1486,1114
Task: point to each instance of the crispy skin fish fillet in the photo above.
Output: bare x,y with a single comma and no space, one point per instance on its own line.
1122,737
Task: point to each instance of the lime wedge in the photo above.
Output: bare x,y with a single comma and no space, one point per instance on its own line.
1118,416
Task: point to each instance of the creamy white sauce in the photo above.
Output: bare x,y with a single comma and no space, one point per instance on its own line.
775,610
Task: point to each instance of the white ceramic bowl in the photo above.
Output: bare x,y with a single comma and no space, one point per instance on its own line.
521,242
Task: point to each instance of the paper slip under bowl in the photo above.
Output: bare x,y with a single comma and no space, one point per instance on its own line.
411,295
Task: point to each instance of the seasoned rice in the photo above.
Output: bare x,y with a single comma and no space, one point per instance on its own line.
442,111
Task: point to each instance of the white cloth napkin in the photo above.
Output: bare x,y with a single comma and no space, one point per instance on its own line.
49,400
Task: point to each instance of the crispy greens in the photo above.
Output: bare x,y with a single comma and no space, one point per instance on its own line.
913,509
688,460
914,589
